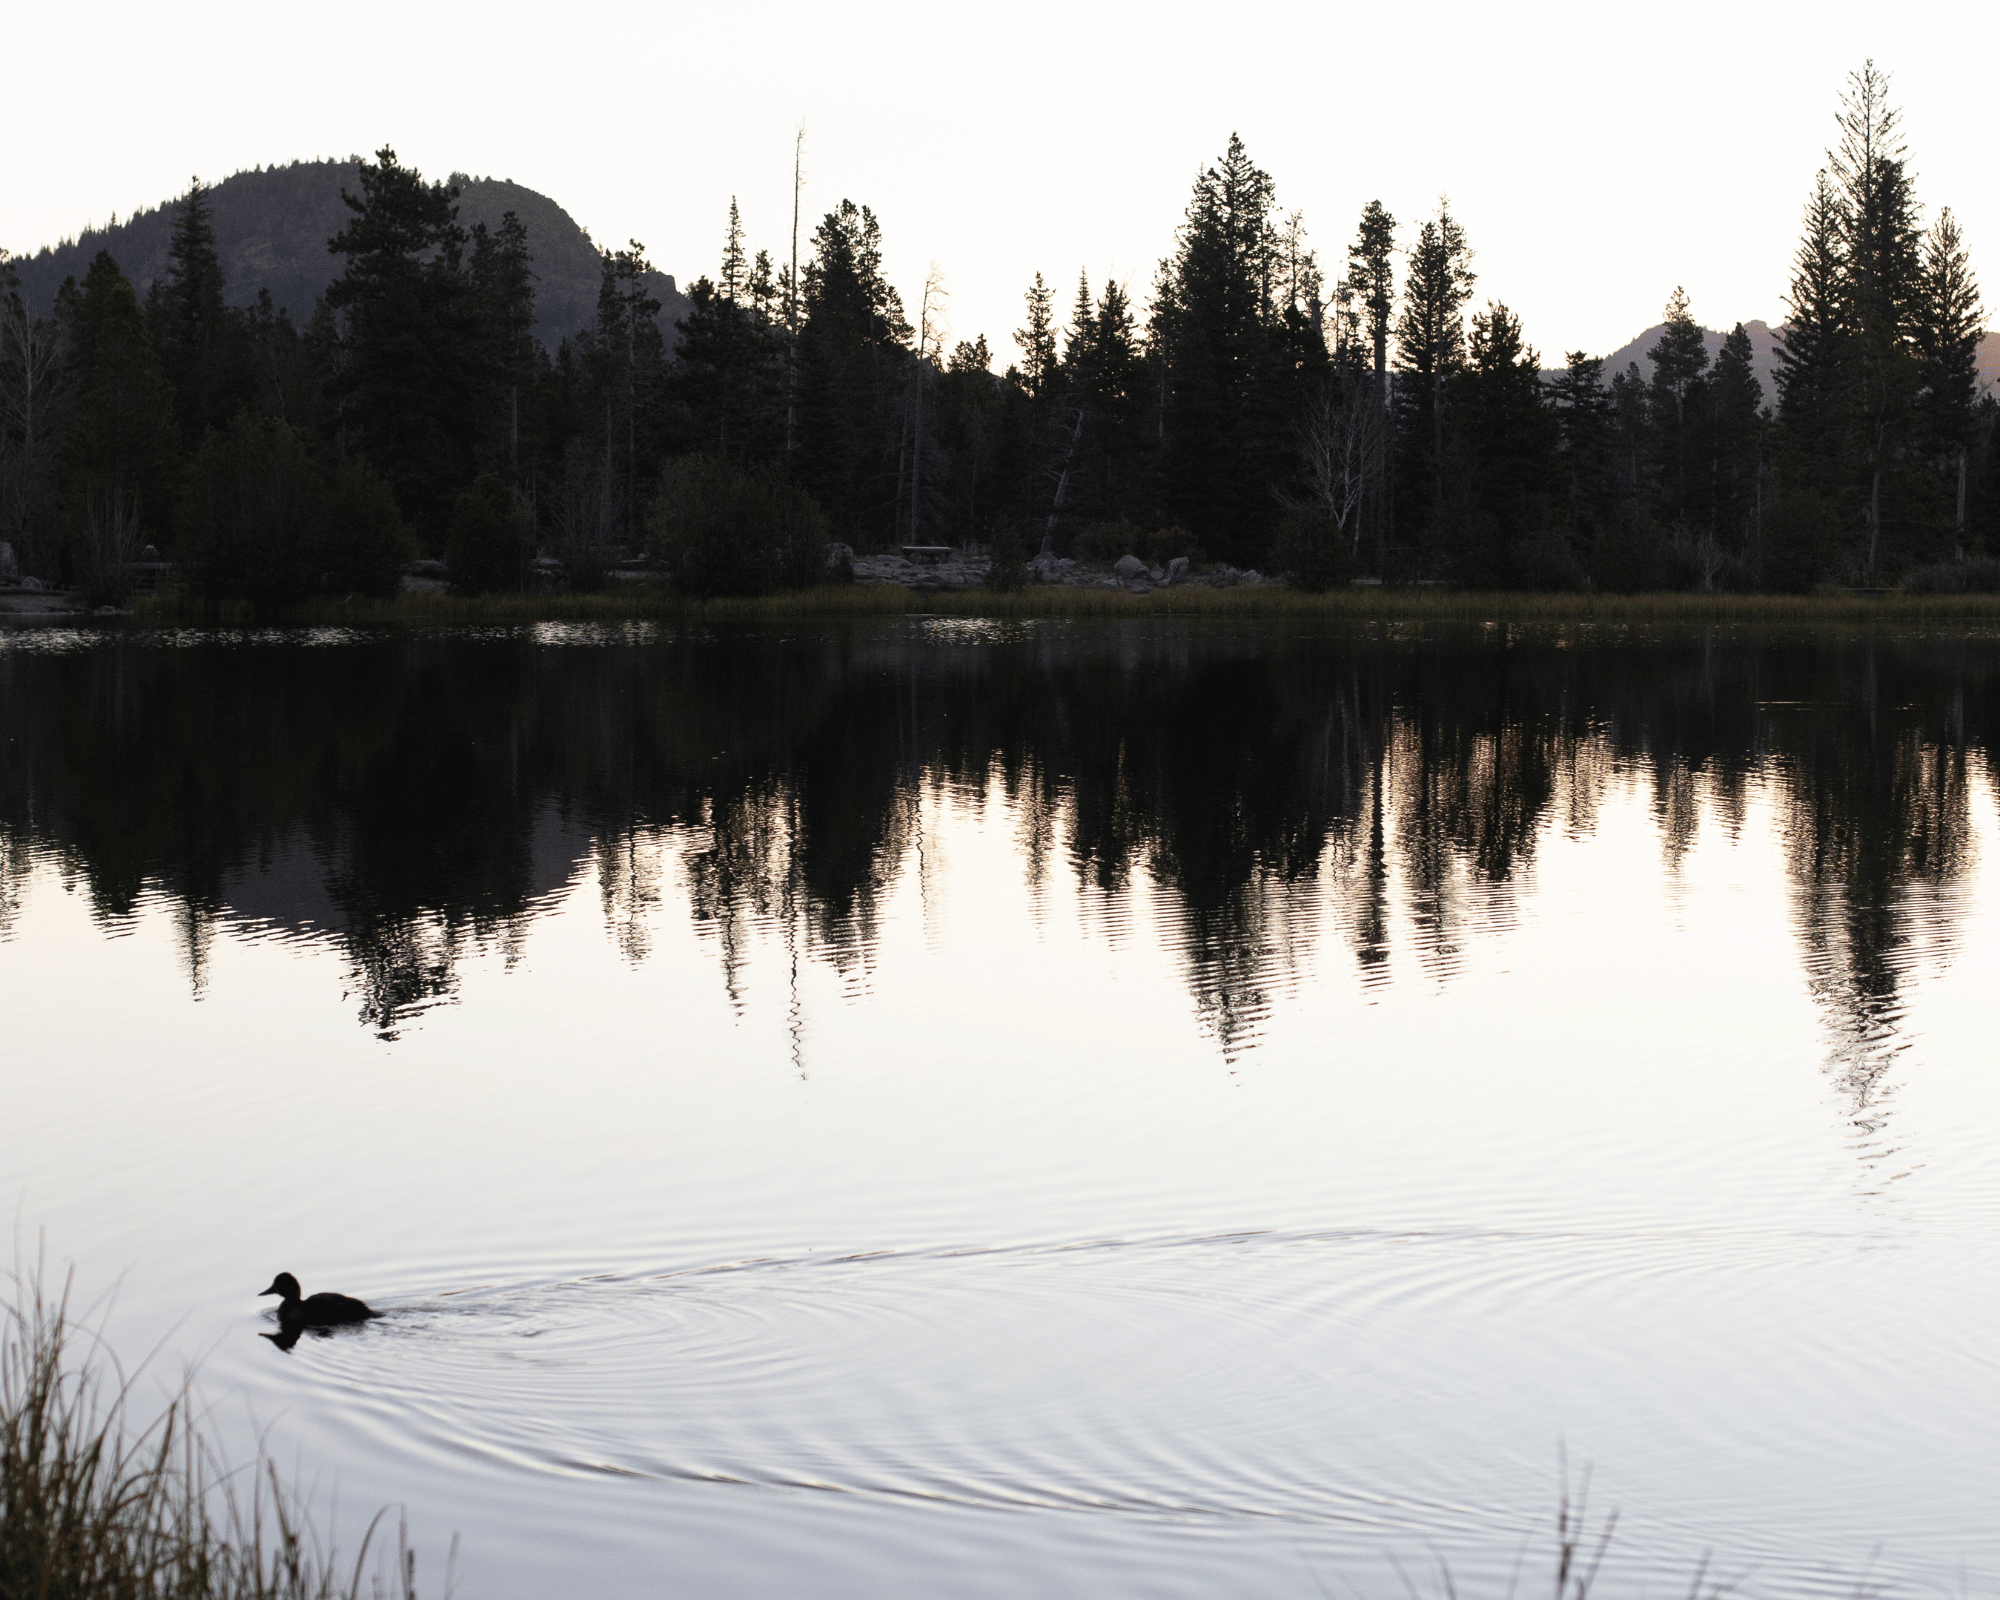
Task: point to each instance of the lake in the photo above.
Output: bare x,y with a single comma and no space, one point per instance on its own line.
979,1109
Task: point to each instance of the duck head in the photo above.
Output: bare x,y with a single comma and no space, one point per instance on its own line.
283,1285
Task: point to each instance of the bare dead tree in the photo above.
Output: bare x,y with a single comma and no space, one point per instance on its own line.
792,292
1339,439
32,391
930,346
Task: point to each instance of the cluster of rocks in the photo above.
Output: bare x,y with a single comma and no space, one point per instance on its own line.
937,567
1134,576
923,567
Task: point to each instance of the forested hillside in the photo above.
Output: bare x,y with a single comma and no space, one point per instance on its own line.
271,228
1381,414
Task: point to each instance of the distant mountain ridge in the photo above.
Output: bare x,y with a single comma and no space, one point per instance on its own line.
271,229
1764,356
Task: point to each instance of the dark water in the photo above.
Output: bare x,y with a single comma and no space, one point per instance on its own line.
994,1109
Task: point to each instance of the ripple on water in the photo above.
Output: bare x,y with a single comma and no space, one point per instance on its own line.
1295,1380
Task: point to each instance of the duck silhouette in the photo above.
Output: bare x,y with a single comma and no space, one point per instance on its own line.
323,1310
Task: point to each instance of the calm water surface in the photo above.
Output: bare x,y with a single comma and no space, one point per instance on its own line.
970,1109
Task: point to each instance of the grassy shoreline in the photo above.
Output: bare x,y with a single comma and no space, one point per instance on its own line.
855,602
102,1500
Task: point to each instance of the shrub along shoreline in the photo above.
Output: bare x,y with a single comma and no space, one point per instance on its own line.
849,601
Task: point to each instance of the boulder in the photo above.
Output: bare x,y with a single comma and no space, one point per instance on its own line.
8,570
1176,570
1129,567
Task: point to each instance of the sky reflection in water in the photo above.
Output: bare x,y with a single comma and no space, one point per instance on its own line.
1114,1110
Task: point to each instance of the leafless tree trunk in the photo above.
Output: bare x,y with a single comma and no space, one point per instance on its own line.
607,487
792,293
1339,440
930,335
1062,484
1958,531
31,388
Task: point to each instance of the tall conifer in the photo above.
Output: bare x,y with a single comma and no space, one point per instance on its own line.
409,379
1947,322
199,338
1679,358
1430,347
124,440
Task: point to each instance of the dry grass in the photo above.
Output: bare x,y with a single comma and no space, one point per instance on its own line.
96,1507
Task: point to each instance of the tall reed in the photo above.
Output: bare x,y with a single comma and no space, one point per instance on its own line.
96,1506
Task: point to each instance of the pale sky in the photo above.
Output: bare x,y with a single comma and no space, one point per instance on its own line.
1597,154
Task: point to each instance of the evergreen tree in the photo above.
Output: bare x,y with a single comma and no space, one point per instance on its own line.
280,370
1430,348
252,524
1882,256
503,289
1586,493
735,278
124,441
852,355
491,539
1812,349
1502,450
730,362
411,381
1104,378
1371,273
1371,284
1736,448
1229,378
1880,233
1679,406
1037,340
1947,322
629,362
200,339
972,412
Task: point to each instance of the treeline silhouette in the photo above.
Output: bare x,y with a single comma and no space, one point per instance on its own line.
410,798
1253,408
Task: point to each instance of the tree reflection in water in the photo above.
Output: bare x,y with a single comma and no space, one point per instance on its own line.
415,797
